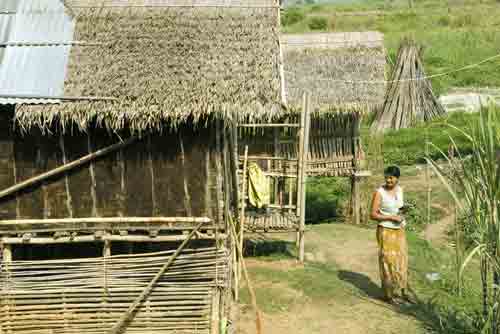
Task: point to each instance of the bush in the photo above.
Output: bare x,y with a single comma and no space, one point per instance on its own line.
317,23
444,20
292,16
325,198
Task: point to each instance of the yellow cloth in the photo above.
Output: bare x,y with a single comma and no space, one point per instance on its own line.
258,187
393,260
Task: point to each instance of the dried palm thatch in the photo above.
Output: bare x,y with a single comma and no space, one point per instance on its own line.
409,98
167,66
336,68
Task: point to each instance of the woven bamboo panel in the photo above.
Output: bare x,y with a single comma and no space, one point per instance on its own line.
276,221
90,295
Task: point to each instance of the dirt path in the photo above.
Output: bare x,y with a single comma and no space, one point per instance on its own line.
437,233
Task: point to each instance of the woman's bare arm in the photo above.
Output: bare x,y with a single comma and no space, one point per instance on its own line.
375,210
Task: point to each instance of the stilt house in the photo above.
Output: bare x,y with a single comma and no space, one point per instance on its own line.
118,146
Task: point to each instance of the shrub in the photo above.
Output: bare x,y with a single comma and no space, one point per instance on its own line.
325,198
292,16
444,20
317,23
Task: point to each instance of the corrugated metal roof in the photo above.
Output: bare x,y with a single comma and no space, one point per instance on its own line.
34,70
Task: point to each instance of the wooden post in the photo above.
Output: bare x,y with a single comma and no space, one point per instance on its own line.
6,261
355,199
303,175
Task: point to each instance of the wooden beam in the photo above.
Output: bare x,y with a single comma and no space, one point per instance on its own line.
107,238
65,168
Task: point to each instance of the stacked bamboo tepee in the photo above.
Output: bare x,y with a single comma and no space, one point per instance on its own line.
409,98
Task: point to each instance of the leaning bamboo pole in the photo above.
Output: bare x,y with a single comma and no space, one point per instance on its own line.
126,316
66,168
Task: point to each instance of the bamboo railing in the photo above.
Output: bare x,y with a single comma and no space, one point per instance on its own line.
90,295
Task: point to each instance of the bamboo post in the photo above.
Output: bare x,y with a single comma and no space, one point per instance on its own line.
427,177
65,168
303,178
300,163
355,181
6,261
116,329
242,213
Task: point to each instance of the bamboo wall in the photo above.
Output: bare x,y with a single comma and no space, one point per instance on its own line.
165,174
334,141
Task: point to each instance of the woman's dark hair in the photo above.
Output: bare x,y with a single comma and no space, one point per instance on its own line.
392,171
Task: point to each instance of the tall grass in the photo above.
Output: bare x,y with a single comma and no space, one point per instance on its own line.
475,186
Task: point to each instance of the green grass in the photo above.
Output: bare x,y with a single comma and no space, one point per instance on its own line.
406,146
462,34
440,308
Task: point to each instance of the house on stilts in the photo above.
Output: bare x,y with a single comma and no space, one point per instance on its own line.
119,163
330,81
344,74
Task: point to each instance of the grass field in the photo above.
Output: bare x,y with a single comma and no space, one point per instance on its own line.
453,36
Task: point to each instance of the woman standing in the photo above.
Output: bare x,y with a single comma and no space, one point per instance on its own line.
393,250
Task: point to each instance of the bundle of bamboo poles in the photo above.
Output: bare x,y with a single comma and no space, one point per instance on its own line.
90,295
409,98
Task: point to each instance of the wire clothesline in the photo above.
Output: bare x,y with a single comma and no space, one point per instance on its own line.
464,68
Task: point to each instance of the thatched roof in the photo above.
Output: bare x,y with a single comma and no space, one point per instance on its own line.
336,69
166,65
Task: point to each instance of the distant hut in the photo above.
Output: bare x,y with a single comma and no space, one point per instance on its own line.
143,100
344,74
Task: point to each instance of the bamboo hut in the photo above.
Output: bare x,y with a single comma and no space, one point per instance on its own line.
118,159
344,74
338,70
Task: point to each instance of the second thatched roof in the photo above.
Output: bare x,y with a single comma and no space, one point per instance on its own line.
336,68
166,65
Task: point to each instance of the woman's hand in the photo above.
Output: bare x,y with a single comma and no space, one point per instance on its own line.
396,219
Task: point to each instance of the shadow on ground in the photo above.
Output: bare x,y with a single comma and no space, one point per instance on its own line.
362,283
266,247
434,318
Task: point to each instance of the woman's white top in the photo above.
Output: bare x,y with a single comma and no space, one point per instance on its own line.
390,204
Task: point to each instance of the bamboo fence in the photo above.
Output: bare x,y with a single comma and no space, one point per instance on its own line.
89,295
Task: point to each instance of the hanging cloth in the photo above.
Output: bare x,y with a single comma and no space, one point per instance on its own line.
258,186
